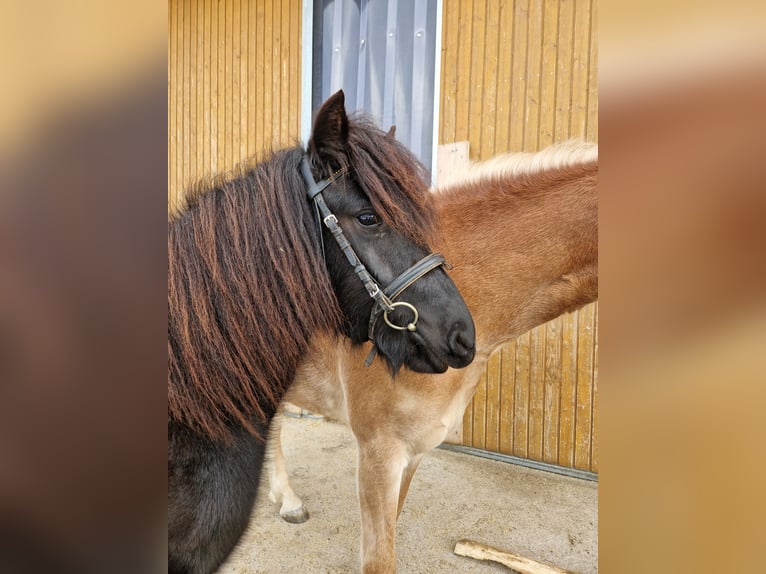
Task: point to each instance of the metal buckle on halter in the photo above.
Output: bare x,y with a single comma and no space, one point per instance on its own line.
332,218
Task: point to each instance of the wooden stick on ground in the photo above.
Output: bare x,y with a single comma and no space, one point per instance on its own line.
514,561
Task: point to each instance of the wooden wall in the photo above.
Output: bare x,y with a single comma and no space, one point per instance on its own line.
520,76
234,81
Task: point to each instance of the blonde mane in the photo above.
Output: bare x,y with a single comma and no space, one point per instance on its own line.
516,164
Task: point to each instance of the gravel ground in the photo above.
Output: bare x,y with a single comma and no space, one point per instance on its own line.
536,514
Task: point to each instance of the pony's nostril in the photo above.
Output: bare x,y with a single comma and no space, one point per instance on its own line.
461,344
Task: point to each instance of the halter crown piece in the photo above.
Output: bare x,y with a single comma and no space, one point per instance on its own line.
385,299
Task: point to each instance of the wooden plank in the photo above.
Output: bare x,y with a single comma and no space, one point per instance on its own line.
584,401
492,414
276,71
504,14
231,94
463,92
479,439
547,118
564,71
468,424
534,75
221,91
489,89
295,69
592,125
268,76
185,65
284,106
536,393
260,80
212,40
521,397
507,391
477,79
518,563
552,381
567,403
172,95
252,56
580,68
191,143
240,77
594,417
206,97
519,71
448,55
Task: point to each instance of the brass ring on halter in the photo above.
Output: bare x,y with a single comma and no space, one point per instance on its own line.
410,326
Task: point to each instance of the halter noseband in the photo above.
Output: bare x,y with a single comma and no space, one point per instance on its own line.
385,299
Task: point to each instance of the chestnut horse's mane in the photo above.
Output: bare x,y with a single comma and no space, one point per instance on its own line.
524,165
247,285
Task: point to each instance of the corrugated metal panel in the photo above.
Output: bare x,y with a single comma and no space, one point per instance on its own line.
520,76
233,84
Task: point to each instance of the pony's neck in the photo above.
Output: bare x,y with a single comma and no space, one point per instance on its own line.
524,248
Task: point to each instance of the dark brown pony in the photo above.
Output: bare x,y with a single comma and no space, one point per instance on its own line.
249,284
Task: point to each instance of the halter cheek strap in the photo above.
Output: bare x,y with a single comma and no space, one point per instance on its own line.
385,299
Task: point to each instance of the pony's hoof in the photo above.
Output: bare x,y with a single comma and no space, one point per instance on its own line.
297,516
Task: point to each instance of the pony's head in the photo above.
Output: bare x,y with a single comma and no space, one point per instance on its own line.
376,191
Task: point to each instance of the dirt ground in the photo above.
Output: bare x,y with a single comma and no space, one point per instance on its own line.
534,513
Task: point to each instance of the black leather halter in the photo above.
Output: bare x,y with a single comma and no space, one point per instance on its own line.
385,299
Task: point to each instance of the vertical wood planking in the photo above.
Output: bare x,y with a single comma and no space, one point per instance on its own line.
552,381
479,419
231,94
172,139
518,73
521,397
536,393
549,64
594,406
494,375
522,84
507,394
502,117
564,99
578,110
534,75
592,126
477,84
487,119
584,400
568,396
449,85
463,62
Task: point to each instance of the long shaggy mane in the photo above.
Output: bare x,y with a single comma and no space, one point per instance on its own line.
247,285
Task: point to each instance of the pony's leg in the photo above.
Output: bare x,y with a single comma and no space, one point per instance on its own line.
211,491
379,477
407,475
291,509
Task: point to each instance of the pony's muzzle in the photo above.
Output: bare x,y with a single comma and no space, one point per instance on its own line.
462,344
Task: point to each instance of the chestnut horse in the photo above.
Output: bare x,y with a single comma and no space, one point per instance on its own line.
259,263
521,230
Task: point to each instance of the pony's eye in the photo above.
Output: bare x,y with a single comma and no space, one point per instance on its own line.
368,219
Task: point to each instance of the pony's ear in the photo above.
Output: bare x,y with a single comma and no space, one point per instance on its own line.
391,132
330,127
